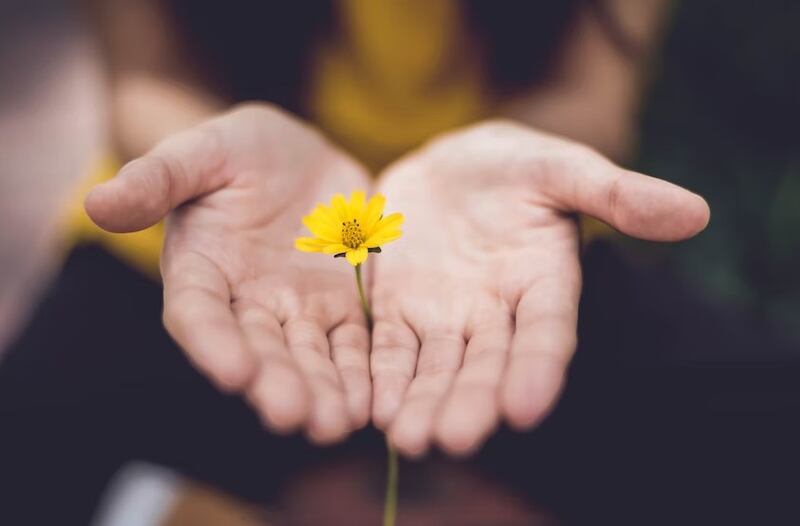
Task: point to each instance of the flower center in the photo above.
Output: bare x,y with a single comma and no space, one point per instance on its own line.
352,237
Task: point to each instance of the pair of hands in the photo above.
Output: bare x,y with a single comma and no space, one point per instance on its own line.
475,307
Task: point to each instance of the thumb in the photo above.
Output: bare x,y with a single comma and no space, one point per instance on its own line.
145,190
635,204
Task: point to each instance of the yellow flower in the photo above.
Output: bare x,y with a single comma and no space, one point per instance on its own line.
351,229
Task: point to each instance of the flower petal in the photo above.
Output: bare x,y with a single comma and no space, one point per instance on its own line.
385,236
335,248
323,230
357,204
372,213
339,204
356,256
391,222
326,215
309,244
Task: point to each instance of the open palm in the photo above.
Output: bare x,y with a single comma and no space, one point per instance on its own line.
283,327
476,308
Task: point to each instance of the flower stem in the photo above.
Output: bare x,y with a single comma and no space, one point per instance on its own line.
364,301
390,505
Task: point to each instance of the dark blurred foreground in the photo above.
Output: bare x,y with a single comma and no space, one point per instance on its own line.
643,435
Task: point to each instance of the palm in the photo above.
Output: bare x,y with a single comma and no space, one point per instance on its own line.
252,312
476,307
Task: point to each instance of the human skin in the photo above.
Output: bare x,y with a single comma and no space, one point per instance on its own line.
281,327
475,308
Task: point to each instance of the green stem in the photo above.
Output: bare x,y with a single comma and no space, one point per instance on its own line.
364,300
390,505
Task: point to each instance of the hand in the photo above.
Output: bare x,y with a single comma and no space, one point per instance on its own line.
254,314
476,307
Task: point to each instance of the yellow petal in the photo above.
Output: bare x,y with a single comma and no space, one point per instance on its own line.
323,229
339,204
385,236
356,256
391,222
357,204
373,212
309,244
326,214
336,248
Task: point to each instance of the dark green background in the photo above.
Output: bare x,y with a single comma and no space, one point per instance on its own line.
722,117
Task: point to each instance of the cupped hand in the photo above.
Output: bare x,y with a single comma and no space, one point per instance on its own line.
258,317
476,307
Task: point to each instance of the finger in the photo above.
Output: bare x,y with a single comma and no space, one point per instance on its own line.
471,410
182,167
329,420
440,357
392,362
350,353
279,393
197,314
541,348
636,204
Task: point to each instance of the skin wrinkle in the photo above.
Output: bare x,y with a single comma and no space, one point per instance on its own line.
199,284
474,327
393,340
350,367
282,358
166,190
211,146
613,199
438,365
392,371
271,302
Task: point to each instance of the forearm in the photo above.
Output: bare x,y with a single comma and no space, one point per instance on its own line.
154,89
594,93
145,109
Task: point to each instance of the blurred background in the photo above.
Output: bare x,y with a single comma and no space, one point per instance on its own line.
720,118
51,122
719,115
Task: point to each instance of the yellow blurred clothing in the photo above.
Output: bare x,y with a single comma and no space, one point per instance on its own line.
139,249
395,75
